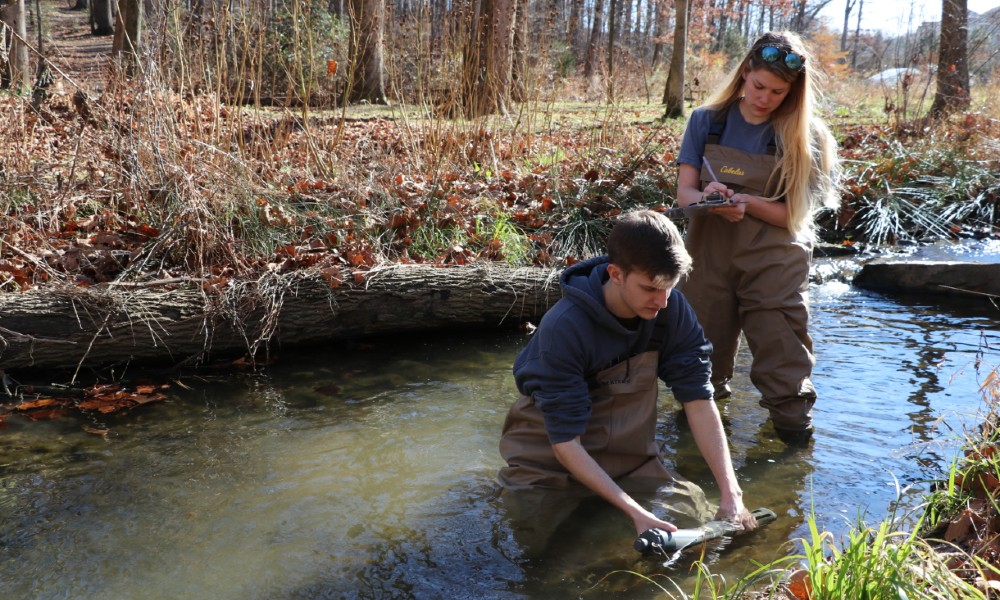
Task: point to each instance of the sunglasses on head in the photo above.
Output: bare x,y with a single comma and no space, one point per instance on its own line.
770,54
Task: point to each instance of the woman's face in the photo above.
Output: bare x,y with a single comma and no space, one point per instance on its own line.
763,93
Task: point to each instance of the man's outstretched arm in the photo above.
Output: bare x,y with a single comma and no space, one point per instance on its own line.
706,425
574,457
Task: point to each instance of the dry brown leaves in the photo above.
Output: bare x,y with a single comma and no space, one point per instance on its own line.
102,399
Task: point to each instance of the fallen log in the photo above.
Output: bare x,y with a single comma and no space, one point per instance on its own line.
950,278
184,321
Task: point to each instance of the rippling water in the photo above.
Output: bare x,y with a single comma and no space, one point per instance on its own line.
368,472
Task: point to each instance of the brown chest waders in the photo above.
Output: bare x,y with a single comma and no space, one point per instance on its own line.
750,277
620,436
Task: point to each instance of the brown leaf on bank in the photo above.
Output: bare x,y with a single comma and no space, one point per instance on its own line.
40,403
962,526
981,453
980,485
799,584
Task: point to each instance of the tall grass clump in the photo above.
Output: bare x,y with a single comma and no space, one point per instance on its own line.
928,185
878,561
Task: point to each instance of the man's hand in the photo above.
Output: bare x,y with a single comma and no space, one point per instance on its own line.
735,512
645,520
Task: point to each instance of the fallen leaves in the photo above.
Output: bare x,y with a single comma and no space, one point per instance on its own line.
799,585
102,399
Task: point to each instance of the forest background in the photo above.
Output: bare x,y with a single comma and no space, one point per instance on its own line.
217,141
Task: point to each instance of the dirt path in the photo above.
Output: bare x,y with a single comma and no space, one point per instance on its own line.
81,59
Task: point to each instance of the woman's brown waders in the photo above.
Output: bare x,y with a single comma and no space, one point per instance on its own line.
752,277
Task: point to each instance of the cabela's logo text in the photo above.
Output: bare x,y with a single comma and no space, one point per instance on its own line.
733,171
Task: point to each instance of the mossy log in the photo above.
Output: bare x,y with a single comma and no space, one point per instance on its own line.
183,321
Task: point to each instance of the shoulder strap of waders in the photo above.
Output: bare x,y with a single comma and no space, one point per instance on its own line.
719,125
654,344
659,332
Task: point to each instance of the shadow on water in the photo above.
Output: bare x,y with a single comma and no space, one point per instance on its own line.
368,472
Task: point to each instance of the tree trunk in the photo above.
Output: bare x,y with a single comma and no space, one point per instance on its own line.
367,42
673,95
953,59
719,31
593,46
488,61
128,35
848,8
857,35
16,75
659,29
102,17
103,325
612,36
573,30
519,62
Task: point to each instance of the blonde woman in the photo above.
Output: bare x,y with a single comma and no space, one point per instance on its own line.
759,143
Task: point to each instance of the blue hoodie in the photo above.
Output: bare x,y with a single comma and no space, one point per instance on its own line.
579,337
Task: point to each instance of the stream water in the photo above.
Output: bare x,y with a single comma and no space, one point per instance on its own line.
368,471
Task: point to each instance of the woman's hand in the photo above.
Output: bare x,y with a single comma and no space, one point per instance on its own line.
720,188
733,212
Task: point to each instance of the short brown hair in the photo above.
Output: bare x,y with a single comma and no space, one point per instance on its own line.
648,241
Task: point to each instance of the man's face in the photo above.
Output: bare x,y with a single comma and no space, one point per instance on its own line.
636,294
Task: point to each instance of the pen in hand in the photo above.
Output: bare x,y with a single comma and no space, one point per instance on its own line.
713,196
708,166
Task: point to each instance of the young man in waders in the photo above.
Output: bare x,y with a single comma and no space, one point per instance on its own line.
585,422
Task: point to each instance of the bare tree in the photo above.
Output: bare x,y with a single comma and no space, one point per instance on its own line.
128,34
857,35
662,18
573,27
673,95
15,73
953,59
367,79
592,56
848,9
102,17
804,13
612,35
519,65
488,59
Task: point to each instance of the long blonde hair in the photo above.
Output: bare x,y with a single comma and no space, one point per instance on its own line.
807,165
